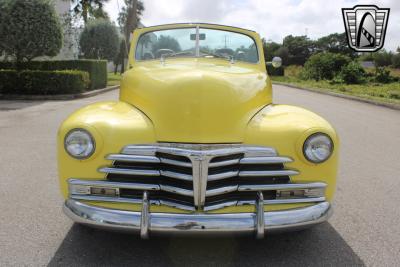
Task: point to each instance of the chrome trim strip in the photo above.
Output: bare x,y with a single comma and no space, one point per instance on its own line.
294,200
177,175
129,171
171,223
266,187
224,163
260,225
145,217
132,201
106,199
107,184
136,186
222,175
221,190
268,173
175,162
182,149
265,160
133,158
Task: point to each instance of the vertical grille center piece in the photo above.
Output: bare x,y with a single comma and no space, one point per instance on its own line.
198,176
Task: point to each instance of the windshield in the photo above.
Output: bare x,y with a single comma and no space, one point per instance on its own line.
192,42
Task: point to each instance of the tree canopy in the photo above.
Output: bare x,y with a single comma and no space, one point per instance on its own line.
100,40
335,43
29,29
89,9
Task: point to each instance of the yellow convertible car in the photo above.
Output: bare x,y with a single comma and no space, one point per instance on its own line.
195,144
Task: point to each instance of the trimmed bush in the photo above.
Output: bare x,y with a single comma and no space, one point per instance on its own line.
382,75
37,82
324,66
97,69
353,73
275,71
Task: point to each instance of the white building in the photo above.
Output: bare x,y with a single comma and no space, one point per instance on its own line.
70,48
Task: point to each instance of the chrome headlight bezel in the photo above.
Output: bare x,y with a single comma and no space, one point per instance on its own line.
84,135
309,155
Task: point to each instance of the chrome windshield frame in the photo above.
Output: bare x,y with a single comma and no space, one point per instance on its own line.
197,27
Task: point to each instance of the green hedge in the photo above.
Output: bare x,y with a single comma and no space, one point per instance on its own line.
97,69
275,71
37,82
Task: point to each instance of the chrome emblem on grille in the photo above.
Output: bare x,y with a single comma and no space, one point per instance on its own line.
200,173
365,27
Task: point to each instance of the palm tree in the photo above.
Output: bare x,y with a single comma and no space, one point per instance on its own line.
86,8
129,16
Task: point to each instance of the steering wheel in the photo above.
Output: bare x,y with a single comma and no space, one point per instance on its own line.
164,51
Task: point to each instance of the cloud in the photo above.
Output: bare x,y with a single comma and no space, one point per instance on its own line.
272,19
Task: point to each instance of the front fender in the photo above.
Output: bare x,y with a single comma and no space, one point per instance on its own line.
113,125
285,128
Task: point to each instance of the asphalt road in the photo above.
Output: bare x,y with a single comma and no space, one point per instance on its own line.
363,231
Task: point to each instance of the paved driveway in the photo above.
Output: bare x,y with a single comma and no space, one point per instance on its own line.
364,229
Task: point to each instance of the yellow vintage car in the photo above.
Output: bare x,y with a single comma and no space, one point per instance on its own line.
195,144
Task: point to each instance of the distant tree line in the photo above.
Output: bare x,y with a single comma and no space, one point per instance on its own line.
295,50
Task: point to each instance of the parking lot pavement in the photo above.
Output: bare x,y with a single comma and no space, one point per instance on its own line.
363,230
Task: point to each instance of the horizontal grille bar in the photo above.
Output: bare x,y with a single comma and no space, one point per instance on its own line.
268,173
265,160
222,175
133,158
176,162
224,163
221,190
177,175
129,171
265,187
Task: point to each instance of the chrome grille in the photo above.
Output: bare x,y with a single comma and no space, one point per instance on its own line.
196,176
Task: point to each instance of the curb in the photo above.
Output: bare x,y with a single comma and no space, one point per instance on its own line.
359,99
59,97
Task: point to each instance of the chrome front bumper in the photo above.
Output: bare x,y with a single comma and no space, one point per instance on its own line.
145,222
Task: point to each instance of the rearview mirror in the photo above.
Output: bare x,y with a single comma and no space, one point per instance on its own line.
202,37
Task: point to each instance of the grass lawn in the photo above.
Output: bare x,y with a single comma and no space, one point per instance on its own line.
113,79
387,93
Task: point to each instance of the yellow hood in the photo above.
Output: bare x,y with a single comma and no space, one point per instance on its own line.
197,101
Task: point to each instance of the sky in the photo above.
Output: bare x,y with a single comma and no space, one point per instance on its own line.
272,19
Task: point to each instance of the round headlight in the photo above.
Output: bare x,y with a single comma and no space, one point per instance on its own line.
318,147
79,144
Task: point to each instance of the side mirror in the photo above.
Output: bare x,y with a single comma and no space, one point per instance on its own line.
276,62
